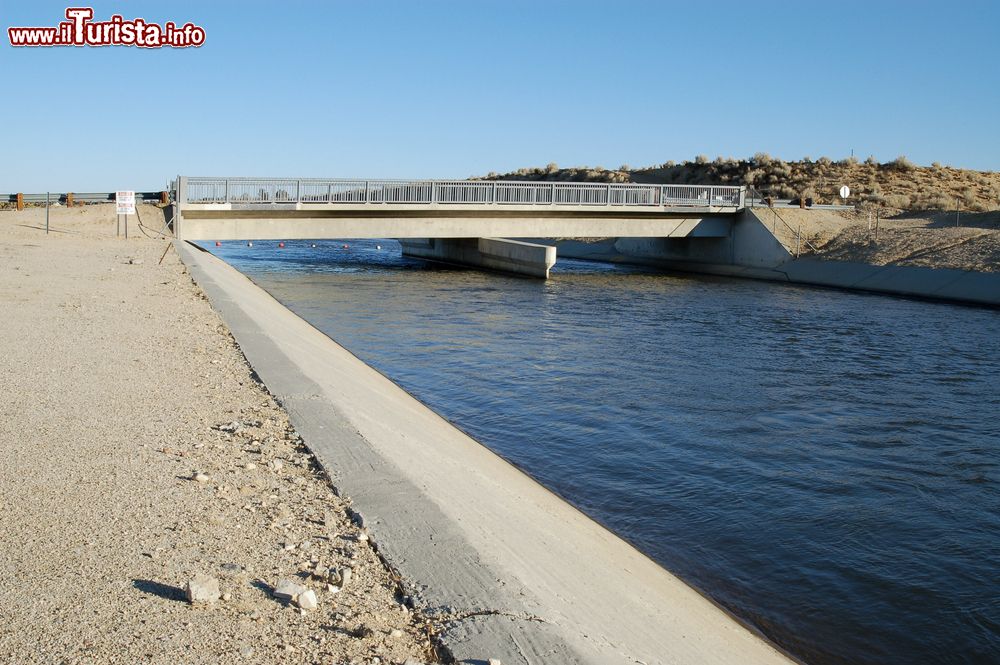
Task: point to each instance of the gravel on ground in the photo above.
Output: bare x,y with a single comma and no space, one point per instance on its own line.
153,495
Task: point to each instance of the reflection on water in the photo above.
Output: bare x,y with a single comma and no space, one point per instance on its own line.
825,464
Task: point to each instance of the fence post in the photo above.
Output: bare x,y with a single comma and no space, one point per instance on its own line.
20,201
69,199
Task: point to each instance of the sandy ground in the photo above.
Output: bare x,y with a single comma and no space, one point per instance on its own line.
119,383
917,239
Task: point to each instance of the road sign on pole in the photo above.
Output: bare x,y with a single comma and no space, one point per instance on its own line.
125,203
845,191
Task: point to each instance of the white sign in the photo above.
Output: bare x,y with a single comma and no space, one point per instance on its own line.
845,191
124,203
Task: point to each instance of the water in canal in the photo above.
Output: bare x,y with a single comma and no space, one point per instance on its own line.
825,464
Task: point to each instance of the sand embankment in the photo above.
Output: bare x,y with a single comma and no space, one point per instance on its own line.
115,377
955,241
503,565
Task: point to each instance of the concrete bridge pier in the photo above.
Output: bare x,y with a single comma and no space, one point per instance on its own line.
513,256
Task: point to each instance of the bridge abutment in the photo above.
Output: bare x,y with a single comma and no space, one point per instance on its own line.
513,256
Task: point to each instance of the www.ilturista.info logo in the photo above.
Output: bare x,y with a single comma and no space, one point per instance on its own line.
80,30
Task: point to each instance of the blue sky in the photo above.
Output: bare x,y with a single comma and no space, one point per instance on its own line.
452,89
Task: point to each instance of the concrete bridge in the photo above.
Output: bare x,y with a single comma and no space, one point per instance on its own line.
468,222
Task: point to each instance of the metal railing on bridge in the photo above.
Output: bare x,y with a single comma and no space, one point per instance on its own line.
468,192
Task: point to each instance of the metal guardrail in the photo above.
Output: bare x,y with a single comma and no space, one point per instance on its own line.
199,190
78,197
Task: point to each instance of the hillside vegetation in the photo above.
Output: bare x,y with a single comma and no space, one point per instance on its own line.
899,184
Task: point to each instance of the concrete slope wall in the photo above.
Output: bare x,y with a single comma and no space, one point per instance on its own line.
939,283
758,248
748,243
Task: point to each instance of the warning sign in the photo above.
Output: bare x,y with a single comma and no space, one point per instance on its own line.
125,203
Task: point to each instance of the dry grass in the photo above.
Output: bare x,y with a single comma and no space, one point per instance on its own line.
898,184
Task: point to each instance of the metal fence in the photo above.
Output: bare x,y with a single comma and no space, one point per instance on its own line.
468,192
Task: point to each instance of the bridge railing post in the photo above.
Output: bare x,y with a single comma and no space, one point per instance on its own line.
226,190
366,193
552,195
298,191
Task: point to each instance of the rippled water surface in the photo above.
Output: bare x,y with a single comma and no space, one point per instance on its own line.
825,464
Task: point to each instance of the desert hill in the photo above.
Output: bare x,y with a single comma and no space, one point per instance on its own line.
899,184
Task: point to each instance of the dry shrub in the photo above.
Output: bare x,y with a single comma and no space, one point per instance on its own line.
934,200
901,163
781,170
901,201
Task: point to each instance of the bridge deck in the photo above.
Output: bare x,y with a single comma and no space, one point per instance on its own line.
257,208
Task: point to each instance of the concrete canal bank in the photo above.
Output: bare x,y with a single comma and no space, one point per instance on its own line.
760,246
510,570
